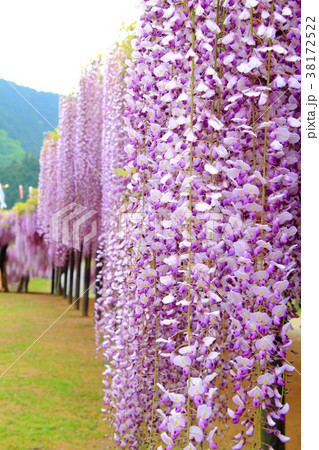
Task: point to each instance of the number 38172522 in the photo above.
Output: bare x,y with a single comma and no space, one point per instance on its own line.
310,47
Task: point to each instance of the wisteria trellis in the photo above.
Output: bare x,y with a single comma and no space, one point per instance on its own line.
195,145
26,250
213,120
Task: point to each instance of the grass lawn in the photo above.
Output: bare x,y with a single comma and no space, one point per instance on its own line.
43,285
52,397
40,285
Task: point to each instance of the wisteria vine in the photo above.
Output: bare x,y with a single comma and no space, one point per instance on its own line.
188,149
213,120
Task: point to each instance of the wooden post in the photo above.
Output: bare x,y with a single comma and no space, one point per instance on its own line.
52,279
85,304
21,284
3,261
78,278
65,271
26,284
71,272
58,281
98,285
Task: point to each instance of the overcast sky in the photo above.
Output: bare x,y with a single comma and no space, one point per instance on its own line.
44,43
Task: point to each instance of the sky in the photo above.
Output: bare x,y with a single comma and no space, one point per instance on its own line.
44,43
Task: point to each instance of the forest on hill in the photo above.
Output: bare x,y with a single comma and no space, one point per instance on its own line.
20,120
10,149
24,173
22,130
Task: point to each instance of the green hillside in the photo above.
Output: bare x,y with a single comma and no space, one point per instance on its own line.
10,150
20,120
25,172
21,135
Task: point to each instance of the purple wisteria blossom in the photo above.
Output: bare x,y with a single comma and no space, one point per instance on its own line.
195,138
213,156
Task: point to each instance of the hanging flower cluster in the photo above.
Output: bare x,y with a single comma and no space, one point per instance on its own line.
114,306
189,157
70,179
48,197
65,182
7,237
26,252
213,123
113,142
87,151
28,242
7,221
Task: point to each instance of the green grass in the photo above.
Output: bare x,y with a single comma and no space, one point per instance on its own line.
40,285
52,397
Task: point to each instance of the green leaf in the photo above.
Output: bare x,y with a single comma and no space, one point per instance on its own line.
121,172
